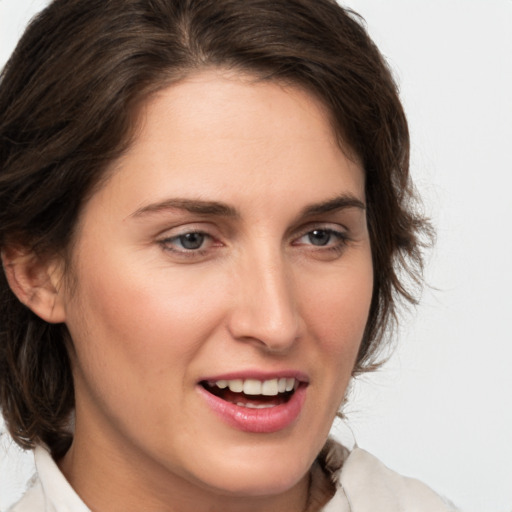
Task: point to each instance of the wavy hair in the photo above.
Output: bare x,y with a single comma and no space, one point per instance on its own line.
68,105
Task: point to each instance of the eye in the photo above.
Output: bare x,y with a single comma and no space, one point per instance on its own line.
323,237
190,242
319,237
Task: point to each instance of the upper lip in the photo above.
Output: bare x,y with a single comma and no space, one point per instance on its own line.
257,375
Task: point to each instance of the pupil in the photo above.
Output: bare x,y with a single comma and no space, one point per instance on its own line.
192,240
319,237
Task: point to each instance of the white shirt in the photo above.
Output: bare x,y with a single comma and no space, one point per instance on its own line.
364,484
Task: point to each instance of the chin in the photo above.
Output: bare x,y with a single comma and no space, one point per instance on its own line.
261,470
254,482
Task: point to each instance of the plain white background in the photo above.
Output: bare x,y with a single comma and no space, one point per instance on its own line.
441,409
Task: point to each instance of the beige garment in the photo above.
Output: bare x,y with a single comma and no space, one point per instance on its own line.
364,484
354,481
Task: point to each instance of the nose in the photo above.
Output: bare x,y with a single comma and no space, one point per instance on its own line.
264,310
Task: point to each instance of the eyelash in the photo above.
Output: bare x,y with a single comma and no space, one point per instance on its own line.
341,237
166,243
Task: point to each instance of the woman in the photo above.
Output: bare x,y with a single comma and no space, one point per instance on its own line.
206,218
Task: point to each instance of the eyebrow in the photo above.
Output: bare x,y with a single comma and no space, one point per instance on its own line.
219,209
340,202
197,206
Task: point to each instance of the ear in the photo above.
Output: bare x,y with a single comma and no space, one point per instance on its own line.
36,281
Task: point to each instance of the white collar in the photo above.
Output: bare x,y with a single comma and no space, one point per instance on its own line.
364,484
58,494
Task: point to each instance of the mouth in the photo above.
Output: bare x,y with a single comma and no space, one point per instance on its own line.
256,405
253,393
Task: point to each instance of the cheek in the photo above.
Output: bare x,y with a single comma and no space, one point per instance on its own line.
337,318
338,310
146,321
136,337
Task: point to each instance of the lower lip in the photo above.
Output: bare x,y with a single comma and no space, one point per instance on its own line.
261,421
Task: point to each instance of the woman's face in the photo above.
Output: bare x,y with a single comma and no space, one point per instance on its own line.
229,250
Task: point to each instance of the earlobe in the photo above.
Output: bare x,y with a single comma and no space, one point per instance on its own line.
36,282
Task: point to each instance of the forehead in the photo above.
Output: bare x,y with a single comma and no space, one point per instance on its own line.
237,106
219,136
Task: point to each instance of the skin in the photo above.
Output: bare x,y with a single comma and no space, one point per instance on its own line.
149,318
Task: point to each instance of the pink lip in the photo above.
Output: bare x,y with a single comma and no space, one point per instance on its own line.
268,420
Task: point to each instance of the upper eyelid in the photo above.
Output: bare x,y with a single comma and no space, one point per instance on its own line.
214,233
168,245
327,226
340,236
208,236
205,228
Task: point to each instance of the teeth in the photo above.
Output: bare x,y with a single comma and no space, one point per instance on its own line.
252,387
237,385
255,406
290,384
271,387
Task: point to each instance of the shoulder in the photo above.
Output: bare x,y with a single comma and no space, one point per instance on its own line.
365,484
48,490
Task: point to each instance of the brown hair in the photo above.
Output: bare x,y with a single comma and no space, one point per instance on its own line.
68,97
